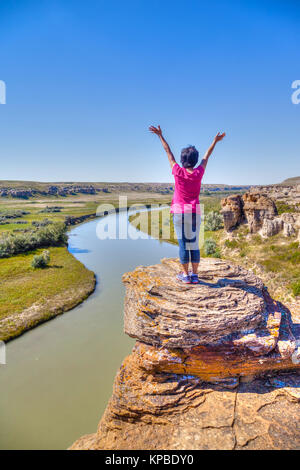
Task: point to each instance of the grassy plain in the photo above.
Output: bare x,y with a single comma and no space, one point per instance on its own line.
30,296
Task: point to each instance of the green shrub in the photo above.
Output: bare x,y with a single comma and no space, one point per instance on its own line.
231,244
12,214
52,235
271,265
213,221
296,288
7,214
257,239
286,253
211,203
41,223
41,261
52,209
282,208
211,248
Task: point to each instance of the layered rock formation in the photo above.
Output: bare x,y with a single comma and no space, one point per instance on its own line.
260,213
214,366
250,208
71,189
289,194
51,190
256,208
232,210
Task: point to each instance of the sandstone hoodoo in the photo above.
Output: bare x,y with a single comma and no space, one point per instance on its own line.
258,207
259,212
232,210
215,365
250,208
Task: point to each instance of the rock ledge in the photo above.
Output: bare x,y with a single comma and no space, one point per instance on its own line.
215,366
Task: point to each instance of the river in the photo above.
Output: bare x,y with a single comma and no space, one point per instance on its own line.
58,377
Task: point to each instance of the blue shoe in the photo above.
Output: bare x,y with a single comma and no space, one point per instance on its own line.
184,278
194,278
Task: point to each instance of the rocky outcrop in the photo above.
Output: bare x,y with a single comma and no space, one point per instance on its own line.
260,213
250,208
286,193
177,412
256,208
232,210
230,300
214,366
271,227
288,223
291,224
48,191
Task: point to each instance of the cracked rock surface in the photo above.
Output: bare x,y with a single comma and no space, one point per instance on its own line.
169,411
215,366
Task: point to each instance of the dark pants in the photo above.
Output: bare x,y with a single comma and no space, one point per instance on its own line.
187,227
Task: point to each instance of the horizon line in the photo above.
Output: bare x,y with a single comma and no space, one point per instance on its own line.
134,182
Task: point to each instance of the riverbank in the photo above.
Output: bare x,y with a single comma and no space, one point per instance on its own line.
30,296
46,362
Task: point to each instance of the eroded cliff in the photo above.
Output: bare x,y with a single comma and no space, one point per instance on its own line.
259,212
215,366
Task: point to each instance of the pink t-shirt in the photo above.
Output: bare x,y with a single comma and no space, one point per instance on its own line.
187,190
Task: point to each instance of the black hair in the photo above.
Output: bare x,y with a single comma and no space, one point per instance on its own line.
189,157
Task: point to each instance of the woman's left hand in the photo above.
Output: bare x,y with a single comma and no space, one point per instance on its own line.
156,130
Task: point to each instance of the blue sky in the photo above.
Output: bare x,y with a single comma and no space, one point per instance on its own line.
85,79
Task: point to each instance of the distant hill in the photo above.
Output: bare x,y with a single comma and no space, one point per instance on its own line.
28,189
291,181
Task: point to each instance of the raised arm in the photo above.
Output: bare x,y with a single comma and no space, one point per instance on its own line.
218,138
157,130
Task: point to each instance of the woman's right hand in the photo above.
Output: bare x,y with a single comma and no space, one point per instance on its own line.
219,137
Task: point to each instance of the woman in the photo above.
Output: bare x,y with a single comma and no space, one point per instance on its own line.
185,205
